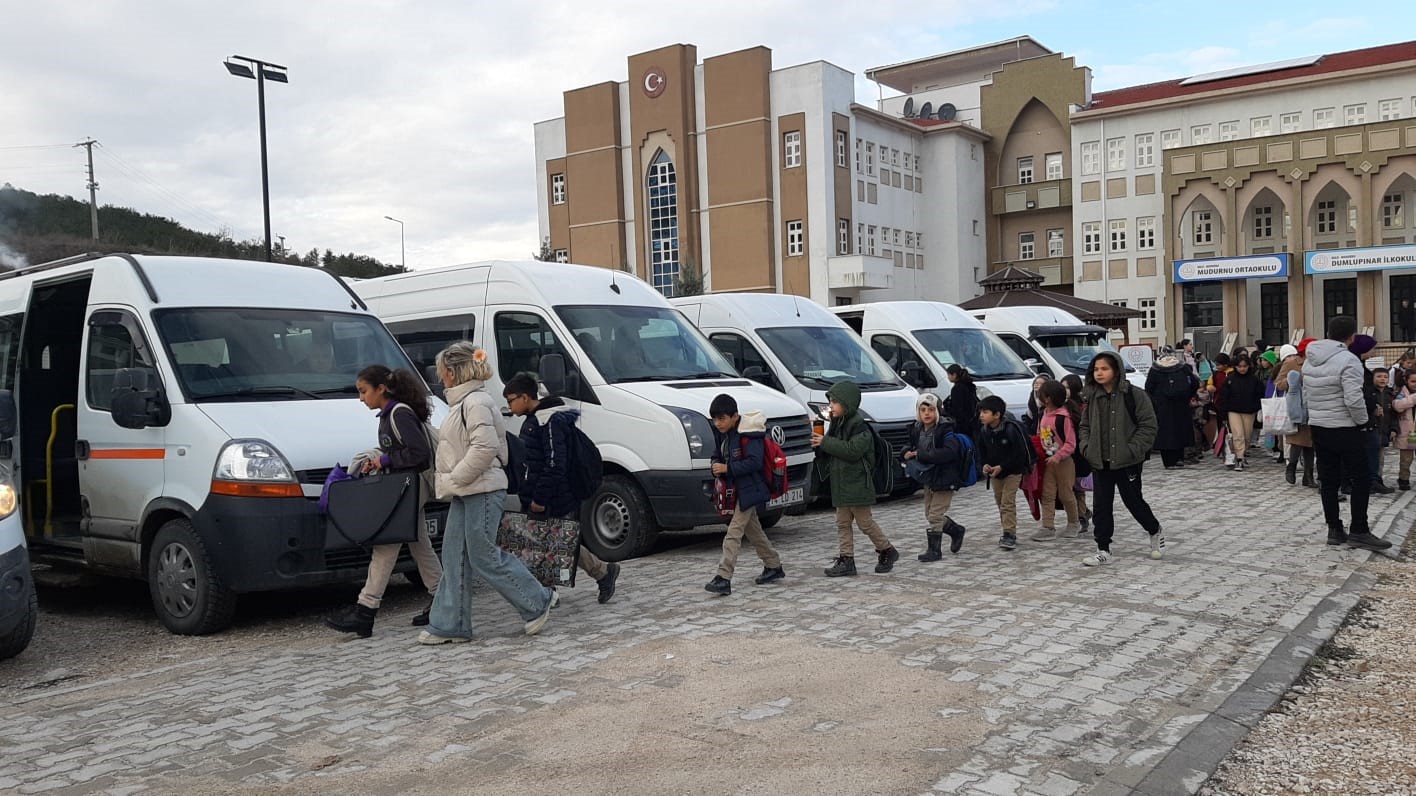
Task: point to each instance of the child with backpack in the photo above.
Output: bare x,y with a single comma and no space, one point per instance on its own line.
942,461
548,436
847,455
1058,431
1007,455
738,456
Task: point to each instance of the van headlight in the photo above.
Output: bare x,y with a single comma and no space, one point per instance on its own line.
8,500
697,431
253,468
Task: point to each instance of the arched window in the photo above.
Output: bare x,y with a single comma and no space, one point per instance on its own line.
663,224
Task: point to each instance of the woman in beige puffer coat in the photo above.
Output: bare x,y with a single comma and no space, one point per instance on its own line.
470,454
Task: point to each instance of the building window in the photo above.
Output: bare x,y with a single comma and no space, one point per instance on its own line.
1054,165
870,240
860,238
1261,126
1263,222
1055,240
895,235
1025,245
557,189
843,236
919,238
975,229
1115,154
884,237
1354,114
791,149
1202,134
860,156
1091,157
841,148
1091,237
909,239
796,247
663,224
1170,139
1290,122
869,159
1323,118
1145,150
1202,303
1393,216
1389,109
1327,217
1118,234
1204,227
562,255
894,157
1148,320
1228,131
1025,170
1145,233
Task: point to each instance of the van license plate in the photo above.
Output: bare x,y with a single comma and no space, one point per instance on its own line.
433,526
793,496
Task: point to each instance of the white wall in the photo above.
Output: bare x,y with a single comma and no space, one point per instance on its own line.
550,145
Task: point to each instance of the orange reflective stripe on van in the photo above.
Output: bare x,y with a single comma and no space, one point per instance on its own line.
128,453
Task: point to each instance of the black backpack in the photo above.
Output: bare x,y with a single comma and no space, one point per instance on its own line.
883,465
515,466
1083,466
586,467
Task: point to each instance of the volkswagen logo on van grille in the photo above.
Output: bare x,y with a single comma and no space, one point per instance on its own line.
778,435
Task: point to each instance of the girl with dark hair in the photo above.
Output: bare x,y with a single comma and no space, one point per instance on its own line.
1118,429
1057,428
1034,413
1241,397
962,403
401,400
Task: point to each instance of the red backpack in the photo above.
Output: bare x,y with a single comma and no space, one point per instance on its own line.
774,466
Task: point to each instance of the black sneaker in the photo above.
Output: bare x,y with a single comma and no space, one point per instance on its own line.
1008,541
421,620
1336,535
607,583
1366,541
1381,489
888,557
769,575
844,566
719,585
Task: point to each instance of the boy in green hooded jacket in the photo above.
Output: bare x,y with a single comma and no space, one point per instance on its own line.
846,457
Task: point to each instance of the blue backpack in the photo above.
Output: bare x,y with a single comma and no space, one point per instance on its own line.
968,462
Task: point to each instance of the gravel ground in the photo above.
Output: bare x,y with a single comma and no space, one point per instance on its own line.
1344,727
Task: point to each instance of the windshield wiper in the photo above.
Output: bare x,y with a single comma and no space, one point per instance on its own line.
827,383
261,392
710,374
348,389
1005,375
877,384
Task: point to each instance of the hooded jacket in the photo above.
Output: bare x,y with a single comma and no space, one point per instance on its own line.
546,434
1110,440
1332,386
471,444
1242,393
934,448
848,450
1171,386
742,449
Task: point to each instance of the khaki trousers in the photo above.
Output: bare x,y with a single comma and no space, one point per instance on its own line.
936,507
1057,482
1241,428
1005,494
861,516
385,557
746,523
591,564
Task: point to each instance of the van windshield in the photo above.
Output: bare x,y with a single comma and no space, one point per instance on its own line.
979,350
235,354
820,356
643,344
1075,351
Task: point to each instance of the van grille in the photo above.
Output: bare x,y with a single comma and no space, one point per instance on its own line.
796,433
358,557
897,434
316,476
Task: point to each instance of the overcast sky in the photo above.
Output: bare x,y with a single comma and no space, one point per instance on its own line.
424,110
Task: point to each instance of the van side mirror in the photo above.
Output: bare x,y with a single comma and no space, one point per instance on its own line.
559,379
913,374
435,386
8,416
1035,365
756,373
138,400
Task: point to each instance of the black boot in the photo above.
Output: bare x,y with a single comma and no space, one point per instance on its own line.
844,566
956,535
358,620
1291,474
421,620
935,541
888,557
1336,535
1404,486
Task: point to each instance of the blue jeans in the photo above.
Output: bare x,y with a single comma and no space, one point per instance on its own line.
470,550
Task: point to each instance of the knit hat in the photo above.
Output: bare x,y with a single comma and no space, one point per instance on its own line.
1286,350
1362,343
927,399
1303,345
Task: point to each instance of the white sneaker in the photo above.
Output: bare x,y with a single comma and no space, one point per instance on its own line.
424,637
1096,559
534,626
1158,546
1045,535
1072,529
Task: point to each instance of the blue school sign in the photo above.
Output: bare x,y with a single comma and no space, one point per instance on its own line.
1209,269
1369,258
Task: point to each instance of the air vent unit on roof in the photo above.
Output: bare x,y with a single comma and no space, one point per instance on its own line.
925,110
946,112
1257,69
909,108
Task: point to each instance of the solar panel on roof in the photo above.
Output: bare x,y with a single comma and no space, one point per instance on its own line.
1240,71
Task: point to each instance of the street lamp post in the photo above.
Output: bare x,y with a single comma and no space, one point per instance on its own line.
260,71
402,257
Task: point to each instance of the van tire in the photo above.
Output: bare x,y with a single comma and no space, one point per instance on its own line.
617,523
771,518
14,642
187,595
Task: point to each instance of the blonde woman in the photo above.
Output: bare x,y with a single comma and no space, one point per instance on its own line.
471,452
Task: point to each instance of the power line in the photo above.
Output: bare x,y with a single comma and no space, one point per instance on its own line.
36,146
170,197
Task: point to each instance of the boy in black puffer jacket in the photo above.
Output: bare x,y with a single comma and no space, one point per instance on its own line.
1003,449
738,456
937,456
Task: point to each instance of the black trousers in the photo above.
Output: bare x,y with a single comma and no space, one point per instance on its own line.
1105,484
1170,457
1342,458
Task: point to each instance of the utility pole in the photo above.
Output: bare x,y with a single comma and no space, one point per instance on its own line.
93,188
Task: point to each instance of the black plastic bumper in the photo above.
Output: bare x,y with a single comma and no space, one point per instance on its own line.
684,499
265,544
15,585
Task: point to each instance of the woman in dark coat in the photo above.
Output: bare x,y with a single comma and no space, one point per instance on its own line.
962,403
1171,385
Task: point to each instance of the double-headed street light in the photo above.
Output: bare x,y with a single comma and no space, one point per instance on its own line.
260,71
402,259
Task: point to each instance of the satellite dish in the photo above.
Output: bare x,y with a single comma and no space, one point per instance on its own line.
946,112
925,110
909,108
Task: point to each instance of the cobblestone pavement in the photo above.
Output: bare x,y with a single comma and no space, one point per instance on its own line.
988,673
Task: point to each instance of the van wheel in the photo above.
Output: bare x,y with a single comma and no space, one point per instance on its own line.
616,522
14,642
186,593
771,518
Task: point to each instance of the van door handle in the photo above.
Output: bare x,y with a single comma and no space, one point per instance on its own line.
81,449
